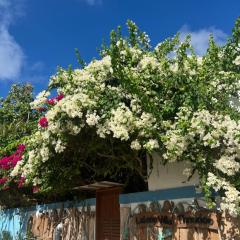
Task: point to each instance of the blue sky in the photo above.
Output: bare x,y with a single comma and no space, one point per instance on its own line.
36,36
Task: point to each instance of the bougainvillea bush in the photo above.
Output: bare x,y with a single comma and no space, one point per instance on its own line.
17,122
136,100
8,163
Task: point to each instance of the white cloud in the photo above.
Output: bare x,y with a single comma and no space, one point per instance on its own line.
11,56
11,53
200,38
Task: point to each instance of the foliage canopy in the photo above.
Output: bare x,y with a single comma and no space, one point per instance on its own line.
137,100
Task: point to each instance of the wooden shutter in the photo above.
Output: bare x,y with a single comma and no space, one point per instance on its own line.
108,215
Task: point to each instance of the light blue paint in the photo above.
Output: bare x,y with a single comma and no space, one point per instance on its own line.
164,194
15,220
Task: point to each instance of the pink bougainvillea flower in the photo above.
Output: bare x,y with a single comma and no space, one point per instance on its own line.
9,162
54,100
21,182
51,101
21,148
60,97
35,189
3,180
43,122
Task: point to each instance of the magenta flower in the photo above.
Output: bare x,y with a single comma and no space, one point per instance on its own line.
9,162
3,180
21,148
21,182
43,122
60,97
35,189
51,101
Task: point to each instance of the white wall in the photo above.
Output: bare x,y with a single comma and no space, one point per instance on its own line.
169,176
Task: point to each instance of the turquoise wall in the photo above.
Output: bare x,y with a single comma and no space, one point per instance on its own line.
13,222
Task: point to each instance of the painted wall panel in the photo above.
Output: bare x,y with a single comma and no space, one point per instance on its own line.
169,175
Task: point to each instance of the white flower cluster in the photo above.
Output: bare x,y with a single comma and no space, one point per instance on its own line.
152,144
92,119
133,53
17,169
231,201
175,144
149,62
59,148
81,106
187,171
100,69
40,100
121,123
212,131
237,61
227,164
135,145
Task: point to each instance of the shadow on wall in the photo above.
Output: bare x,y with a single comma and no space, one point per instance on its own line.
230,227
13,224
70,223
